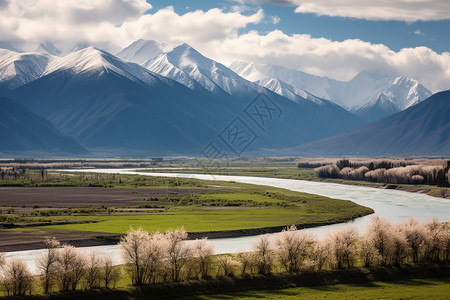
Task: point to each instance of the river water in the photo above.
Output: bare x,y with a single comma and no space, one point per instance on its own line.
390,204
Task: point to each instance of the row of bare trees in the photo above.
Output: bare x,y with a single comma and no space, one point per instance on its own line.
164,256
160,257
414,174
383,243
60,268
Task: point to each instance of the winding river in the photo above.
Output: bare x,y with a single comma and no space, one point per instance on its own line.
390,204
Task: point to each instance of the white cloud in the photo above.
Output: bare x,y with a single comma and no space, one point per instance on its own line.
275,19
399,10
418,32
339,60
403,10
216,33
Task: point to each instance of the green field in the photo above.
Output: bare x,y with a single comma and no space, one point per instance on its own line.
407,289
237,206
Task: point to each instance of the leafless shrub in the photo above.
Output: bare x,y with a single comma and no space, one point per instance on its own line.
202,252
109,274
293,247
343,246
227,265
2,259
379,231
93,275
436,242
47,263
263,256
446,242
416,236
17,279
375,175
368,253
247,260
71,266
399,248
331,171
176,251
320,255
134,251
416,179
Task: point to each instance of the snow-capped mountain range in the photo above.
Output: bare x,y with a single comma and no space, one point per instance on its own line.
367,95
105,102
154,98
360,93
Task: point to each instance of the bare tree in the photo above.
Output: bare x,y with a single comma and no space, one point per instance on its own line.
17,279
400,248
320,254
343,245
446,242
46,263
368,253
109,274
202,252
416,235
263,255
93,276
293,248
154,254
247,260
134,251
70,267
227,265
2,259
379,231
176,251
435,242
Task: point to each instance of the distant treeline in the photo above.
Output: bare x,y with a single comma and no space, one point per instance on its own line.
152,258
388,172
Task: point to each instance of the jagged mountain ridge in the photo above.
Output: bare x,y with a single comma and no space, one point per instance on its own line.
111,105
353,95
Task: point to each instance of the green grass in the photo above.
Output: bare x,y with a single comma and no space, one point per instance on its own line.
407,289
222,206
200,219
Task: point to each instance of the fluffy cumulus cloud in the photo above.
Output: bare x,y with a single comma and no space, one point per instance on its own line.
339,60
399,10
217,33
28,22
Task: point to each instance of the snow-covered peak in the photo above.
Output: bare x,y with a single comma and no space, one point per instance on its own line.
365,87
48,48
406,92
286,90
141,51
93,59
189,67
248,70
17,69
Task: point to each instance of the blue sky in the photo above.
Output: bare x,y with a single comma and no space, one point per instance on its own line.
394,34
330,38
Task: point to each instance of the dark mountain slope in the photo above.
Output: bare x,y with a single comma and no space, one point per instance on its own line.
423,129
22,132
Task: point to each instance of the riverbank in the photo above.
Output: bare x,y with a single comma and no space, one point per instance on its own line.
309,175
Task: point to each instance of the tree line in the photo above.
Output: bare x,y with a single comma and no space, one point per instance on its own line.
152,258
387,172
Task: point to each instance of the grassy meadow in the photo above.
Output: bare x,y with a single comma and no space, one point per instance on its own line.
162,203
